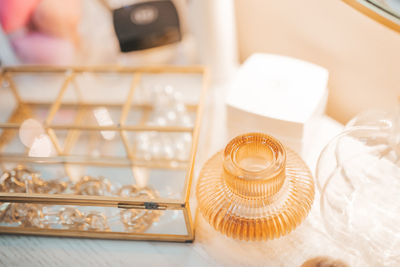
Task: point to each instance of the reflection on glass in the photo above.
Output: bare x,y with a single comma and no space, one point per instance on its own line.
386,12
392,6
41,147
103,118
32,135
30,130
141,176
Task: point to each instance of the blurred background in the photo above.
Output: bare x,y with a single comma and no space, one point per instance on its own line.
362,56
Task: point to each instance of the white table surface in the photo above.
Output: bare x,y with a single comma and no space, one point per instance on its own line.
209,249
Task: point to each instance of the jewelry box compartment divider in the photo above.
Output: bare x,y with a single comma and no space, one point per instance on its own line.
99,152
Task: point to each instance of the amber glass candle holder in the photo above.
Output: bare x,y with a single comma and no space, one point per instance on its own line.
256,189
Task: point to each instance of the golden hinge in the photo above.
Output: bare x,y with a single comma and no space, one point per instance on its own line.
145,205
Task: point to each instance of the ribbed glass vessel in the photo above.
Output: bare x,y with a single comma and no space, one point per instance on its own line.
256,189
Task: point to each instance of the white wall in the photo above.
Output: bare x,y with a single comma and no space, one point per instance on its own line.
363,57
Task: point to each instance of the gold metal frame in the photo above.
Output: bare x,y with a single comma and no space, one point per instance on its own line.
118,202
375,13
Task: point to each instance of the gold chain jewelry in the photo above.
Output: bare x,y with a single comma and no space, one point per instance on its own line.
24,180
93,186
136,220
96,221
4,212
49,187
136,192
71,218
27,215
15,180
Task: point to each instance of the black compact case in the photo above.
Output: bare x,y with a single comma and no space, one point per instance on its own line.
146,25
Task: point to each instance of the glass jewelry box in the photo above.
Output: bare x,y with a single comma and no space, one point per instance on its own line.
99,152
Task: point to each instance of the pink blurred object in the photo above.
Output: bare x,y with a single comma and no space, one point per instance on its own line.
40,48
15,14
58,18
